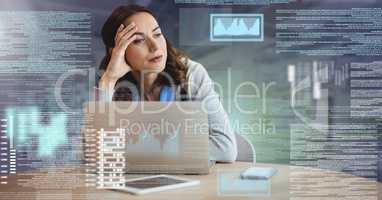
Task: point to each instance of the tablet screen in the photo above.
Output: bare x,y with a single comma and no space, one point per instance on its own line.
153,182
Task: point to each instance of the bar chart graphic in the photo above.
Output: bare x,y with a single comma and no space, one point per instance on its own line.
231,27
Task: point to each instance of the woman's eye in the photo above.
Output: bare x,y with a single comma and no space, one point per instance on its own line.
138,41
158,34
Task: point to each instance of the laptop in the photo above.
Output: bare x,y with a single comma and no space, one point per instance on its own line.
153,137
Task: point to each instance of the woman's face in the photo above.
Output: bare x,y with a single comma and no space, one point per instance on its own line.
148,52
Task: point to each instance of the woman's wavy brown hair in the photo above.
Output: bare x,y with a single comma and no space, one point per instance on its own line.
175,64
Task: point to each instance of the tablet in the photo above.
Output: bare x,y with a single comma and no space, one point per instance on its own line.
156,183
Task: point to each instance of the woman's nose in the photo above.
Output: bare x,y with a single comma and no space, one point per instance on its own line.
153,45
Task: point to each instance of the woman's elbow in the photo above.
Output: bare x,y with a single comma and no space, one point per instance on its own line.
231,154
228,154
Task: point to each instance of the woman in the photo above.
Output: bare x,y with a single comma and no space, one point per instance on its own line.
141,64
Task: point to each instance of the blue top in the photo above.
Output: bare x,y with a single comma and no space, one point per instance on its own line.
167,94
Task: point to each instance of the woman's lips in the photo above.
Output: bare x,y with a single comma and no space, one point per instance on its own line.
156,59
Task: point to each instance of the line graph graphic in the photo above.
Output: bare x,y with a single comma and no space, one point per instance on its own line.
231,27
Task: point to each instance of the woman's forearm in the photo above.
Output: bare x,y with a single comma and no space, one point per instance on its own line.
106,87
